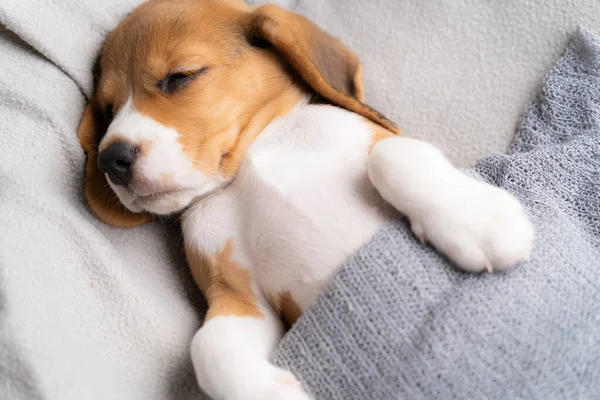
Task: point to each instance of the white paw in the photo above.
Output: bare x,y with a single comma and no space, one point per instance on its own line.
229,355
257,381
482,228
267,382
476,225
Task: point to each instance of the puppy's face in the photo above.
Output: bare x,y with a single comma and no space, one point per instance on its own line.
180,82
186,85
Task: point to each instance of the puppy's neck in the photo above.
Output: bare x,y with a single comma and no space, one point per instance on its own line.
278,106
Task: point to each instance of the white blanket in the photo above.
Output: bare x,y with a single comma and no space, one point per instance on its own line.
92,312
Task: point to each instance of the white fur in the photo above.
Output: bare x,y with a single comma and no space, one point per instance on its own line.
302,203
230,356
476,225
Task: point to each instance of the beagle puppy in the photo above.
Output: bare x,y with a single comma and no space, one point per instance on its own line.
249,122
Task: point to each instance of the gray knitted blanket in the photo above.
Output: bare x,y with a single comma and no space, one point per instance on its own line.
398,321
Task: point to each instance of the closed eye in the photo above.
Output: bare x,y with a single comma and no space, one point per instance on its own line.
175,81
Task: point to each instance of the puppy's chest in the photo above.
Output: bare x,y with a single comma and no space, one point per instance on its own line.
302,201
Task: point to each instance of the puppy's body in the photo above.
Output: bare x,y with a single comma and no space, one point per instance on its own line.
203,109
308,193
301,203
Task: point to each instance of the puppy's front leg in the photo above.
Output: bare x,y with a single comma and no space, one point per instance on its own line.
230,352
477,225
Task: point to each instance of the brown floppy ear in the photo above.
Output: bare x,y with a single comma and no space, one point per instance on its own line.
323,62
100,197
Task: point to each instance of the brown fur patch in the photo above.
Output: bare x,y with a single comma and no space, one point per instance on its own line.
226,284
287,308
323,62
359,89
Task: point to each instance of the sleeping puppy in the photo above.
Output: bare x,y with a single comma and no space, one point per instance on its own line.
249,122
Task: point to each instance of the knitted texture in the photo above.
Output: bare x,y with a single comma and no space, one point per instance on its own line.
398,321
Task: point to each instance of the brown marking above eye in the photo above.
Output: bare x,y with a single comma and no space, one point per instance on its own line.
175,81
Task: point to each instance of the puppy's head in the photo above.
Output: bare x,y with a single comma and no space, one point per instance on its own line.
186,85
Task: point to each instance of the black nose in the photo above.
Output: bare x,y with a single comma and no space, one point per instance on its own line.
116,160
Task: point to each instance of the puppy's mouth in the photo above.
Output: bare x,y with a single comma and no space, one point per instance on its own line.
165,200
158,195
